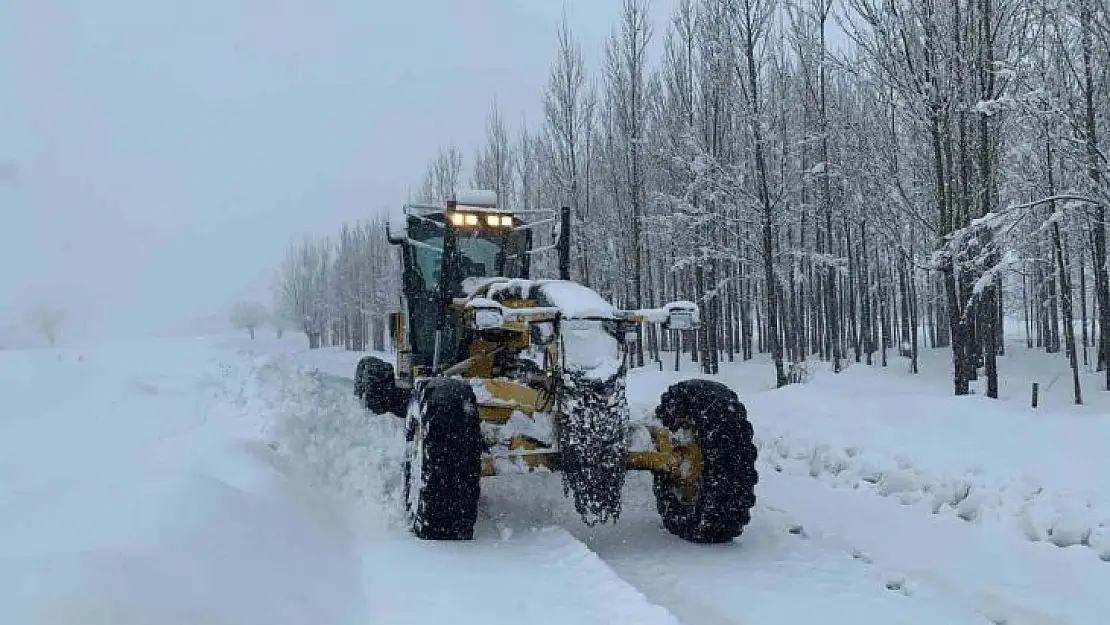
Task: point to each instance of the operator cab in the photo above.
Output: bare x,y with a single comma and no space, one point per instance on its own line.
472,238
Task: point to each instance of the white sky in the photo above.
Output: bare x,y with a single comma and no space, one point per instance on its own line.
156,156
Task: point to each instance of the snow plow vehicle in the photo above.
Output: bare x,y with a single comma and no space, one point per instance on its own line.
501,374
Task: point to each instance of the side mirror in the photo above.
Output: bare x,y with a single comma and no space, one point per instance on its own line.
681,316
541,333
397,231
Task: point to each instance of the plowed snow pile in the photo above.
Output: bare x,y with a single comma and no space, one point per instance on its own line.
1043,474
317,424
135,488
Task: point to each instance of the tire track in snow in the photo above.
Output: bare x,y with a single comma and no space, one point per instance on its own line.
721,585
767,577
663,587
657,590
542,576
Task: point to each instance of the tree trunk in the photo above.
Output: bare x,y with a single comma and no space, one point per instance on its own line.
1102,284
1066,309
1083,308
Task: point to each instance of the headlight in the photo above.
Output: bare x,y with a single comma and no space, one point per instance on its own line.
487,318
680,320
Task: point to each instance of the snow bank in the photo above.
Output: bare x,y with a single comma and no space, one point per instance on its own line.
1062,517
318,425
144,544
142,494
294,352
979,460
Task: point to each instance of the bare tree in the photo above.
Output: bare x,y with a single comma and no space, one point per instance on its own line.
626,63
493,166
47,320
249,316
278,322
303,286
441,180
567,118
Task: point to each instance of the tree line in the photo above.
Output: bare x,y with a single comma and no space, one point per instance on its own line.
830,181
339,290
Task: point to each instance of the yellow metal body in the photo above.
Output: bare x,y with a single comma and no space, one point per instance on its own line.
500,399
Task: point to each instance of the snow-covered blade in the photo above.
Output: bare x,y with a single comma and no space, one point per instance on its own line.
591,433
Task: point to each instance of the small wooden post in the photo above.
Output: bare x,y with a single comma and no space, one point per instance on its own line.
1035,387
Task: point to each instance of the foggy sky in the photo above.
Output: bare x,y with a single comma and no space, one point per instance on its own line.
157,157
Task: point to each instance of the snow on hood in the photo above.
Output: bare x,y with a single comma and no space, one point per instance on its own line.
571,298
576,300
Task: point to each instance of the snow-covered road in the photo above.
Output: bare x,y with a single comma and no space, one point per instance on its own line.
221,481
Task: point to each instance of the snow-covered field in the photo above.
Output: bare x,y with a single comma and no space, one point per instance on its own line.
224,481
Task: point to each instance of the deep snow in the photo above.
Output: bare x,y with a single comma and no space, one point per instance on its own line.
137,489
220,480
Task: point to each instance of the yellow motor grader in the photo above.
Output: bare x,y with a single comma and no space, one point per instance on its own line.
498,373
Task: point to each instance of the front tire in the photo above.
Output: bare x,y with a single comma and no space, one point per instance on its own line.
375,385
712,502
442,460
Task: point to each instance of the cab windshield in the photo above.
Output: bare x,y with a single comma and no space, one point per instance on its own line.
481,254
478,258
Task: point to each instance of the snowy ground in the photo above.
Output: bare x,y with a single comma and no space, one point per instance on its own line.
219,480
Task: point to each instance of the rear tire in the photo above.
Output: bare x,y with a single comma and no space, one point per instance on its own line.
709,414
443,459
375,385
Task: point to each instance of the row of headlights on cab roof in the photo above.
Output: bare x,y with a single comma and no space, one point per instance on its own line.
472,219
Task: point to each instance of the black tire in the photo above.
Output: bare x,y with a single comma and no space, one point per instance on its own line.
375,385
725,491
442,460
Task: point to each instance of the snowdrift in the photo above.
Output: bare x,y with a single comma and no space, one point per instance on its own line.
144,494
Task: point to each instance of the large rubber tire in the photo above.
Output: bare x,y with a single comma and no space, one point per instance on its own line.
375,385
443,460
713,416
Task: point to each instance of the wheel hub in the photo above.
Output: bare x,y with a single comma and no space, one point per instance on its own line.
689,471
